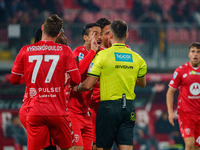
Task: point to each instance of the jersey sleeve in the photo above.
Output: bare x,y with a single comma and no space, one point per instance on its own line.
18,66
71,64
142,69
85,62
96,66
176,79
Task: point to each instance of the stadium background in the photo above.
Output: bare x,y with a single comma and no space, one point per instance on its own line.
159,30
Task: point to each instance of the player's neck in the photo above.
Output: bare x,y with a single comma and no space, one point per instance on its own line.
104,46
48,38
87,46
113,41
194,65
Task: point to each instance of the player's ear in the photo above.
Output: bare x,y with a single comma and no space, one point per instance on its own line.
42,27
111,35
127,35
85,37
58,35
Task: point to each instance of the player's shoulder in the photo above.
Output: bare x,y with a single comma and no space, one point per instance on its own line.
80,49
104,52
25,48
135,54
183,67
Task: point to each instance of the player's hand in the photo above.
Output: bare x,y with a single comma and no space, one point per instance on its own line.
94,45
75,88
171,118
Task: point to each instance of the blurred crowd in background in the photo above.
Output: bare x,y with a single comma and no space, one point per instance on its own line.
132,11
159,30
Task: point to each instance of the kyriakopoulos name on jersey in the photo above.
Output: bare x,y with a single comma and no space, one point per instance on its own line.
48,90
44,48
124,66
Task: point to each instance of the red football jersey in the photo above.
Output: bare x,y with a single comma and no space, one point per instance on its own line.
187,79
43,65
79,101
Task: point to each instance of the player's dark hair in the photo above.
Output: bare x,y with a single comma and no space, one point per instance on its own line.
102,22
38,35
87,27
119,28
62,39
195,44
53,25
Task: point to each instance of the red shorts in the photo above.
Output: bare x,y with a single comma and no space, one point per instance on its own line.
189,126
59,127
22,117
83,129
23,114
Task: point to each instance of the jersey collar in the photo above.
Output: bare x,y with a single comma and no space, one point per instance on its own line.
46,41
118,44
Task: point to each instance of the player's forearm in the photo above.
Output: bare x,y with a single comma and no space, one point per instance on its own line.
141,82
16,79
170,100
87,84
84,64
75,76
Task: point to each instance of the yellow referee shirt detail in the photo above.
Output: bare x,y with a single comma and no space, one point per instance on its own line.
118,68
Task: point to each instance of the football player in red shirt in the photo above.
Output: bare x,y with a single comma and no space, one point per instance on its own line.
79,102
186,78
44,65
62,39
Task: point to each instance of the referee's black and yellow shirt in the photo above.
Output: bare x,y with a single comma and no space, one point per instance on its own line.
118,68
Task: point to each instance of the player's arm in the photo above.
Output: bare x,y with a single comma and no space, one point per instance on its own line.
87,84
16,79
170,101
71,66
141,79
17,73
85,62
75,76
141,82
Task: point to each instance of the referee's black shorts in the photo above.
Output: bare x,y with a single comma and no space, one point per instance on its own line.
115,123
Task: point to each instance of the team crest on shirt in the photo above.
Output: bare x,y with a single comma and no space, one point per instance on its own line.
90,67
185,75
175,75
187,131
80,56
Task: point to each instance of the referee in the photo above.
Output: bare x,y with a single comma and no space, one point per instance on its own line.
119,69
